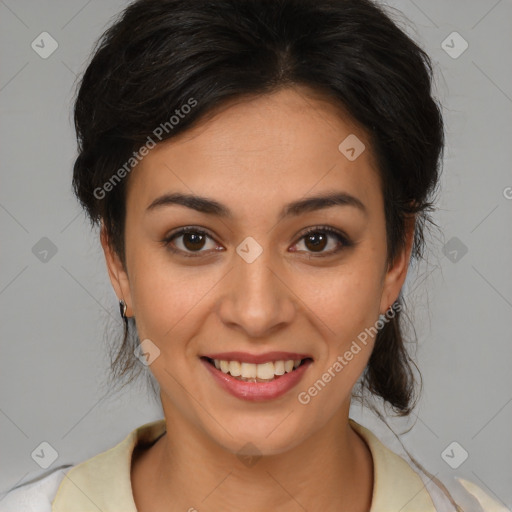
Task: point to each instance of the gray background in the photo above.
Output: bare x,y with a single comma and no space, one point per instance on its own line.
53,313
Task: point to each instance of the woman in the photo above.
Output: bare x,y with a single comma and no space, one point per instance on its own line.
262,172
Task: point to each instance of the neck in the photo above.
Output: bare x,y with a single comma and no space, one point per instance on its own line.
331,470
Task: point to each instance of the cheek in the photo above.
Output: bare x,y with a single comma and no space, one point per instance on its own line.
349,301
349,305
165,296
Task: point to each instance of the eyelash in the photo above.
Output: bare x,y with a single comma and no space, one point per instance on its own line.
344,240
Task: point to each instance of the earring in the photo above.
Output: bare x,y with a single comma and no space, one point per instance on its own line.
122,310
389,309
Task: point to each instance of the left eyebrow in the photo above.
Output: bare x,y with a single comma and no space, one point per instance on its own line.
293,209
320,202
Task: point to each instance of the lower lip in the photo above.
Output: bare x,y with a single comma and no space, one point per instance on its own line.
258,391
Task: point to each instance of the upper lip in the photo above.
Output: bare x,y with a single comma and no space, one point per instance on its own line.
245,357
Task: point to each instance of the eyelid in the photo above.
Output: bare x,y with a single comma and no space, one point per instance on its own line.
343,239
323,228
167,240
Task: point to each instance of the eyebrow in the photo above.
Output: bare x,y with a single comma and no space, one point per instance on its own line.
296,208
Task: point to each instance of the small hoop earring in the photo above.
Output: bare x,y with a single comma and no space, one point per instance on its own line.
122,310
389,308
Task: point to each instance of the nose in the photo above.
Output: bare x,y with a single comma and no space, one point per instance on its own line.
258,300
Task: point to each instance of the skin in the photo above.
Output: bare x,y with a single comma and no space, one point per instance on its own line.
255,156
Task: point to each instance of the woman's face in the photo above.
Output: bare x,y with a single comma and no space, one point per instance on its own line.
254,283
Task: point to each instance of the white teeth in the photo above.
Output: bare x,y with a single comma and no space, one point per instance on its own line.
248,370
264,371
288,365
234,368
279,367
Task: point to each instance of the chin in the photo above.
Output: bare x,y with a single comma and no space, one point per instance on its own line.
262,437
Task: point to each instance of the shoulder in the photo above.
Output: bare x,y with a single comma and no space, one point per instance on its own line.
396,486
397,482
104,479
106,475
35,495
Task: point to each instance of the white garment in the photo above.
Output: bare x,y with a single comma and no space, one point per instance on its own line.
35,495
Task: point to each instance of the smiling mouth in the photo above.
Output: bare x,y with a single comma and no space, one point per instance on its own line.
250,372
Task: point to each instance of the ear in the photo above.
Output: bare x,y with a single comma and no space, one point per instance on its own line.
397,272
116,271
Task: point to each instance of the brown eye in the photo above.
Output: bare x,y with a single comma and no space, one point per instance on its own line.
192,241
317,239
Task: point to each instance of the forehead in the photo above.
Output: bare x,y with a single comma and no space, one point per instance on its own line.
267,147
